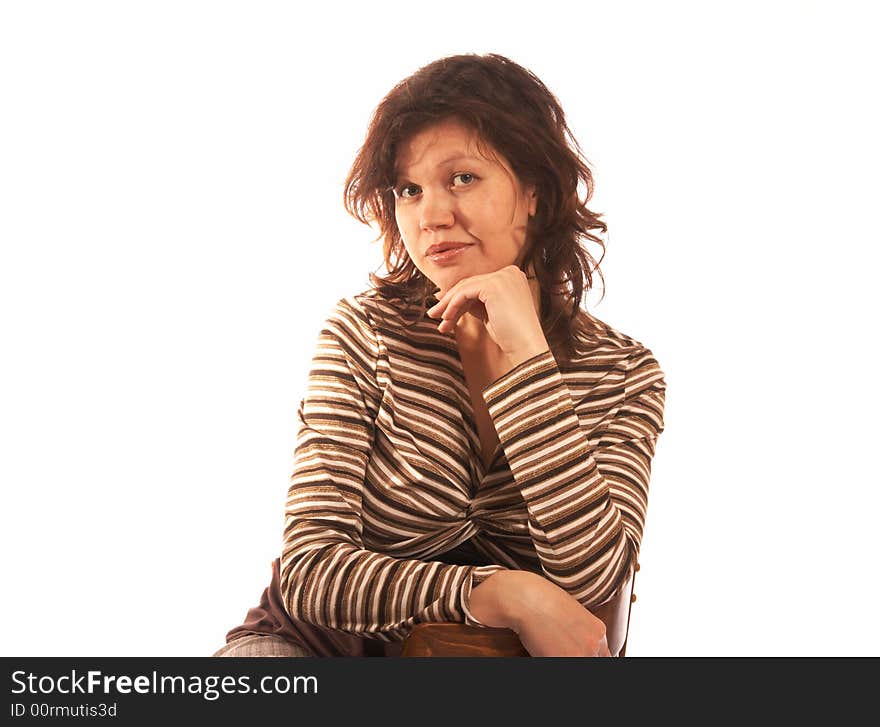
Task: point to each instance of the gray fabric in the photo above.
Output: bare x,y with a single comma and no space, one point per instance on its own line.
261,645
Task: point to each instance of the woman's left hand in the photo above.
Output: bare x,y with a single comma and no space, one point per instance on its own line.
503,301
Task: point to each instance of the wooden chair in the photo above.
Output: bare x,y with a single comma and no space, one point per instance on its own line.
454,639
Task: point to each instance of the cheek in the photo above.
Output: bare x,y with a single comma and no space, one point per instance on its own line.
491,215
409,236
404,228
407,220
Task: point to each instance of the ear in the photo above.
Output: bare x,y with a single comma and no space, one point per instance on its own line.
532,197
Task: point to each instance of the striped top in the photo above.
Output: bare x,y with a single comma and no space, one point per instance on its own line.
387,475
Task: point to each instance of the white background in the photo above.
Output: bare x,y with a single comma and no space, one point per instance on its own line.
173,237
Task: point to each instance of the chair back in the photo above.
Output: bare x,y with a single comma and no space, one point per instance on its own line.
455,639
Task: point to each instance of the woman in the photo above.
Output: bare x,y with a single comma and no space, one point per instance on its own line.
473,446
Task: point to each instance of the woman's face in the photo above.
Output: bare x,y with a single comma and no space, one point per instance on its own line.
448,192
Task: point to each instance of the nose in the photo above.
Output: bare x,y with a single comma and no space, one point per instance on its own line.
437,210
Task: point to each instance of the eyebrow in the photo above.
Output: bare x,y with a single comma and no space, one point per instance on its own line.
456,158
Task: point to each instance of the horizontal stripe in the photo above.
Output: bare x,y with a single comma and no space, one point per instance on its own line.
387,473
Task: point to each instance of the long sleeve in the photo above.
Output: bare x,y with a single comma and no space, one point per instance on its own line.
328,578
584,482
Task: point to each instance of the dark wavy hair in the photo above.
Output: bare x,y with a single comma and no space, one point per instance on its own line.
515,113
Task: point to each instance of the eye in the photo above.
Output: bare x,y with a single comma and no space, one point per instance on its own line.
409,191
401,191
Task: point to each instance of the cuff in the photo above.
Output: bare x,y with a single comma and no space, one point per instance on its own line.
479,574
541,366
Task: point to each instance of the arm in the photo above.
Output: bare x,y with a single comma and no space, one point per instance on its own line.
547,620
328,578
584,479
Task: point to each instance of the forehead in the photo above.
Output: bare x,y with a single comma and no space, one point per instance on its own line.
444,143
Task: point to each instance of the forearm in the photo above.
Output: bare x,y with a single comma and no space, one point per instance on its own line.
547,619
504,599
586,519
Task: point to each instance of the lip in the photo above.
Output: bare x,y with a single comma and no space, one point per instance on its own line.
447,256
434,249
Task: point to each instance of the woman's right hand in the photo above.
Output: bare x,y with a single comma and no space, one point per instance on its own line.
547,619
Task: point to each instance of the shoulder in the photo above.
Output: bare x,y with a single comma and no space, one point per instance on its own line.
357,309
372,304
368,315
602,344
378,312
349,322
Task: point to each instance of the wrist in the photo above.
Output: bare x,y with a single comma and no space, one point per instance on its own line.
490,601
515,358
504,599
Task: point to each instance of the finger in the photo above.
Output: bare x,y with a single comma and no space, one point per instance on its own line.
443,301
445,326
458,305
438,307
455,304
474,307
436,310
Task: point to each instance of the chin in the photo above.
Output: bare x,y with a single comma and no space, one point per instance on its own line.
445,282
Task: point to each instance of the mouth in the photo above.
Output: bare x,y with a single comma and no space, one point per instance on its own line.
446,252
444,247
